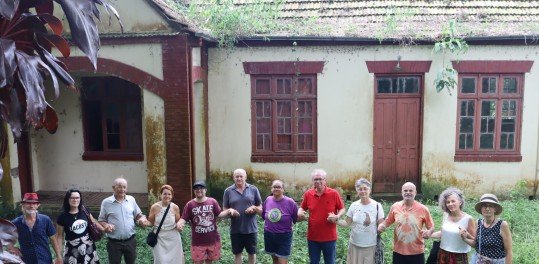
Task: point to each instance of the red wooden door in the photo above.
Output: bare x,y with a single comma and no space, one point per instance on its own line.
397,117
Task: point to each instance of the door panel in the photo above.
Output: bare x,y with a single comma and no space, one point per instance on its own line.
407,137
384,144
396,143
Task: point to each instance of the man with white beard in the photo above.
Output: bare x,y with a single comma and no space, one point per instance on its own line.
35,231
411,217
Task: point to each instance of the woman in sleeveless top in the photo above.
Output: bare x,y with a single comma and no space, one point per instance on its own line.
78,247
169,243
493,241
453,248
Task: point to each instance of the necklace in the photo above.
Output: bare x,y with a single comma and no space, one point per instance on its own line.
491,224
75,215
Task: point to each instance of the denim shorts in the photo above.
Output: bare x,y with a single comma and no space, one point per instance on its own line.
278,244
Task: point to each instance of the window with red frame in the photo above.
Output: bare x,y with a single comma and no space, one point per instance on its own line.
112,118
489,117
283,118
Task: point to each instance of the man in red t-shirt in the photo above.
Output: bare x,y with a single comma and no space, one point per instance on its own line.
325,206
413,224
202,212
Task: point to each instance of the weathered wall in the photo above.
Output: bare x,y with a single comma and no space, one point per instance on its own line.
345,114
57,158
130,12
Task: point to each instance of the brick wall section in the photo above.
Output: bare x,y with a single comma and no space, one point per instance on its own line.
175,92
177,116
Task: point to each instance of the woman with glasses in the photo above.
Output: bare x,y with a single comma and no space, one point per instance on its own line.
74,224
363,216
279,213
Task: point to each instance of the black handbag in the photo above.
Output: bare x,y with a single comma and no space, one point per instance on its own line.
151,239
433,255
93,231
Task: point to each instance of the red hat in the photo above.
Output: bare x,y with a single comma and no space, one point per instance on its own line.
30,198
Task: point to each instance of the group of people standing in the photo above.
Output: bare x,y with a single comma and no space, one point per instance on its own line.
321,206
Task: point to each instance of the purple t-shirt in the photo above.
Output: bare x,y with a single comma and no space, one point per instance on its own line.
203,218
279,215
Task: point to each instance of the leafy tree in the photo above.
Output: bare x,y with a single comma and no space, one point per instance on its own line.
28,32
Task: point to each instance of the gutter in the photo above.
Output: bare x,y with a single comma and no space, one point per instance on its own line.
362,41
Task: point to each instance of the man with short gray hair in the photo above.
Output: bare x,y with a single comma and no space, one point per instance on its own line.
243,200
325,207
118,215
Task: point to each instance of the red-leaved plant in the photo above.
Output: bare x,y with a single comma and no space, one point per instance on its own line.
28,32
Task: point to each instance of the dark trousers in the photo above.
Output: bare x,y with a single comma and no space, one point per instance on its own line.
327,248
408,259
128,249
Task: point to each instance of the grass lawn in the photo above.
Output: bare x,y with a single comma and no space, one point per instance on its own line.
522,215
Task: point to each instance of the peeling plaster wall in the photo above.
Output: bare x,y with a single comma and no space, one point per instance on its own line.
155,152
57,158
345,114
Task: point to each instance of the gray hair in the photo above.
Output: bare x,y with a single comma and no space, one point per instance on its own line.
363,181
448,192
239,172
319,172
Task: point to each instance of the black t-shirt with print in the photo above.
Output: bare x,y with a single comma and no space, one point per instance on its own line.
75,226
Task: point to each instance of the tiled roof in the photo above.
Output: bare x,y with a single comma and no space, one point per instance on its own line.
405,19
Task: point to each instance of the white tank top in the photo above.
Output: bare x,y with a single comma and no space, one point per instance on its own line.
451,240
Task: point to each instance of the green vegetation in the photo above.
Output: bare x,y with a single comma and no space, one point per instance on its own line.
519,213
226,21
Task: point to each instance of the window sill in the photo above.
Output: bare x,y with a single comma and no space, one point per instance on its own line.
115,156
286,158
488,157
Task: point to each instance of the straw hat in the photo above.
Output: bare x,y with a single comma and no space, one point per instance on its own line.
491,199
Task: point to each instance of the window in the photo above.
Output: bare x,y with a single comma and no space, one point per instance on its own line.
284,118
489,117
112,118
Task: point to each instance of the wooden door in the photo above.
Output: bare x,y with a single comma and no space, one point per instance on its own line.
397,122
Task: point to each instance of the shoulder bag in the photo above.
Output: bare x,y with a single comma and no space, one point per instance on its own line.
151,239
95,233
379,252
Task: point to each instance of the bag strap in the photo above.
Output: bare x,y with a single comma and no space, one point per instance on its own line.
480,223
162,220
85,211
376,220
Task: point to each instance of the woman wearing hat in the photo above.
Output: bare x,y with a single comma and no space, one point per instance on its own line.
453,248
493,241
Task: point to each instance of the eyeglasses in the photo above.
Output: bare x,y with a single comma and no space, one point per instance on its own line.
318,179
74,198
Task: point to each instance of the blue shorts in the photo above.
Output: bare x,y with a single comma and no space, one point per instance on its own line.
278,244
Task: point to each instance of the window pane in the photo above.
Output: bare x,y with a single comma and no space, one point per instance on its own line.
112,120
468,85
262,86
488,123
263,125
465,141
508,129
305,142
305,86
411,84
510,85
284,142
486,141
384,85
466,124
284,86
489,85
